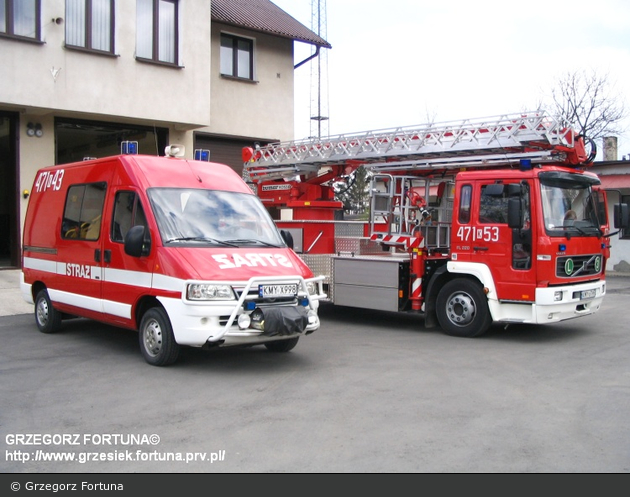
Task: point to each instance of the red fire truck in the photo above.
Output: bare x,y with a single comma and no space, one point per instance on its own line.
482,221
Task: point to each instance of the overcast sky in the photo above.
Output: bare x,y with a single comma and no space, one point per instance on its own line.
406,62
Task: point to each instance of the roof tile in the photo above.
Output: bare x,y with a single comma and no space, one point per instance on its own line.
264,16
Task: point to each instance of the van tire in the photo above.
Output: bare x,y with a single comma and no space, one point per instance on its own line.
48,318
157,342
282,345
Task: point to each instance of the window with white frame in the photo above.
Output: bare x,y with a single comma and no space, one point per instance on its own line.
237,56
21,19
90,24
157,31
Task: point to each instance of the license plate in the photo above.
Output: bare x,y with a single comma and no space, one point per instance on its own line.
267,291
587,294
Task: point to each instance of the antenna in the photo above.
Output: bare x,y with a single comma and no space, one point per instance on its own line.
319,74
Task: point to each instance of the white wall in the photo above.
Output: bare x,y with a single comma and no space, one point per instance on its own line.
263,108
117,86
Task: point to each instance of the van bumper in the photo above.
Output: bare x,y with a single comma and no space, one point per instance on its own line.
211,324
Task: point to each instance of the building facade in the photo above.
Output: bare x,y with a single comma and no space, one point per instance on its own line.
80,77
615,177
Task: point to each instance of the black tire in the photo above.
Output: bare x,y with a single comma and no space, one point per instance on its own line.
282,345
157,342
48,318
462,309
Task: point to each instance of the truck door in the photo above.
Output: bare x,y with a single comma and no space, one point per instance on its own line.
483,236
125,278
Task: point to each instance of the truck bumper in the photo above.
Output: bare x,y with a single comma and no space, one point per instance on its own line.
553,304
569,301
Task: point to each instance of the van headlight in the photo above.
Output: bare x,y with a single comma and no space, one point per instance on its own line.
209,291
312,287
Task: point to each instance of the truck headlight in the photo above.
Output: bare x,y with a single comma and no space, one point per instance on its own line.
208,291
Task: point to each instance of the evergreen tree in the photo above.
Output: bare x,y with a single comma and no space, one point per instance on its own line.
353,192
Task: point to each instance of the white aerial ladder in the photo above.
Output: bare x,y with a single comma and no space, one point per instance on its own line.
397,157
489,142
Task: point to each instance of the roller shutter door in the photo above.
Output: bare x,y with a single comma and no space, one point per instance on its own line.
226,150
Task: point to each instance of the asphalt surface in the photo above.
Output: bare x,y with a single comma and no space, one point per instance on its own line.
368,392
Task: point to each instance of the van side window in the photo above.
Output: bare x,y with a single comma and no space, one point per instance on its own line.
128,212
83,211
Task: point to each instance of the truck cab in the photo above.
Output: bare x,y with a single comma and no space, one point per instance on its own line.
536,240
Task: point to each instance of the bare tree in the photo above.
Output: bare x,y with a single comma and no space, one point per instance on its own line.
587,100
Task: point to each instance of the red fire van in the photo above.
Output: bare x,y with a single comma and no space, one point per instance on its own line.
180,250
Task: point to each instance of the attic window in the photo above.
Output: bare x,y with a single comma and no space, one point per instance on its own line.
237,57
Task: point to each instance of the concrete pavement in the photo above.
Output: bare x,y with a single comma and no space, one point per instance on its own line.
11,301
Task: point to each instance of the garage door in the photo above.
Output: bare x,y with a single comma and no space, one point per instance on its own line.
226,150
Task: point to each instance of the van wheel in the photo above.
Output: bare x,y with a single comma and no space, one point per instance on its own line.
282,345
462,309
157,342
48,318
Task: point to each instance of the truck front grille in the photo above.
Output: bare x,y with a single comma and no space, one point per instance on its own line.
578,265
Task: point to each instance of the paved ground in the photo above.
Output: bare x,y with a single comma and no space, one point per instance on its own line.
11,301
368,392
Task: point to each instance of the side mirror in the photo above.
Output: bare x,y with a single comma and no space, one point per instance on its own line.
134,242
287,237
514,214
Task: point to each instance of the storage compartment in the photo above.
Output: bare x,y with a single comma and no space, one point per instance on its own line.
378,282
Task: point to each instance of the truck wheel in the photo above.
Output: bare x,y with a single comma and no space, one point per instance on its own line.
157,342
282,345
48,318
462,309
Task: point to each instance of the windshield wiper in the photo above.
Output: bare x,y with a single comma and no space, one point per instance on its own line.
241,241
200,239
574,227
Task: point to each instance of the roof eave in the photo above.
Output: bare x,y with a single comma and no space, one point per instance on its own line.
323,43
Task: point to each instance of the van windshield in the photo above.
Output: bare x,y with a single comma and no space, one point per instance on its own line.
187,216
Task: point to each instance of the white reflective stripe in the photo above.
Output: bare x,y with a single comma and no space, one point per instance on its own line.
40,264
61,268
76,299
121,276
124,277
91,303
117,309
415,286
96,273
169,283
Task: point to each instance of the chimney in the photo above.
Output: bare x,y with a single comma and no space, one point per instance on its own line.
610,148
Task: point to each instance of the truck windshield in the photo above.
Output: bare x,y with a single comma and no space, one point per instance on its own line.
197,216
570,207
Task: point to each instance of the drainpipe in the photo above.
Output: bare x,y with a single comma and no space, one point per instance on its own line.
308,58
